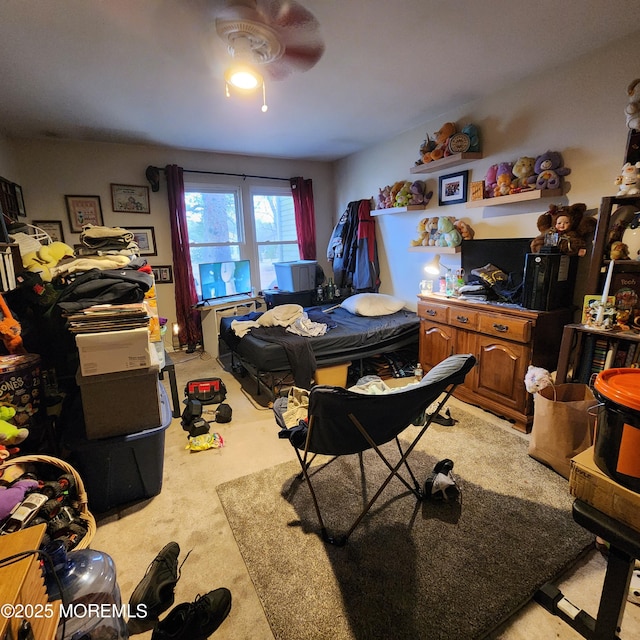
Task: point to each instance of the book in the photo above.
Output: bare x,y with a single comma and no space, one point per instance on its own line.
630,354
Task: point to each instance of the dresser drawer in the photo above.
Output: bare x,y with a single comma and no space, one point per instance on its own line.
463,318
516,329
433,311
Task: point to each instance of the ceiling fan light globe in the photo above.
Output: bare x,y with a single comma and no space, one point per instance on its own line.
243,78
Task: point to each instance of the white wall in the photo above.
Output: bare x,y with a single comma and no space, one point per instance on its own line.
577,109
49,170
8,169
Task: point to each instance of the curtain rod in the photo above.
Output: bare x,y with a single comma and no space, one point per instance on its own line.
222,173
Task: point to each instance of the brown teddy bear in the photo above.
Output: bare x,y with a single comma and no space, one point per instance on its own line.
570,225
464,229
441,148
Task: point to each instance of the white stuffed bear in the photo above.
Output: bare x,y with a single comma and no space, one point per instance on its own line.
536,379
629,180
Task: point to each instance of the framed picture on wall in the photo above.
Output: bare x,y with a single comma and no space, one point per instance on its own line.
130,198
163,274
453,188
53,228
20,200
145,238
83,210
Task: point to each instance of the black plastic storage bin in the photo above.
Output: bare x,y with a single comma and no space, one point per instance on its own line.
123,469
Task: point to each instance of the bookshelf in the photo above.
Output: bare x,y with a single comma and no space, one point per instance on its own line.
585,351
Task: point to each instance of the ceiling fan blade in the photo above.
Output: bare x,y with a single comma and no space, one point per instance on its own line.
295,59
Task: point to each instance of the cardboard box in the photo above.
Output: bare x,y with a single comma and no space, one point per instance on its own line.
113,351
120,403
299,275
589,484
335,376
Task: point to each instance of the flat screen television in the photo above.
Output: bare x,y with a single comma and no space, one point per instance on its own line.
505,253
224,279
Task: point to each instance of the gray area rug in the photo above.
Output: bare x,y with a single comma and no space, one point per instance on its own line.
411,570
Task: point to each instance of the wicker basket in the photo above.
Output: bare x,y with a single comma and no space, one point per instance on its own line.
80,504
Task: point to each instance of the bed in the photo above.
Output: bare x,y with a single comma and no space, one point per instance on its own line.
353,338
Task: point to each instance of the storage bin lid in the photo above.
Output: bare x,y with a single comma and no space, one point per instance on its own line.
621,386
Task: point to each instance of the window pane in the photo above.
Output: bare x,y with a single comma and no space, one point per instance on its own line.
268,254
212,217
274,218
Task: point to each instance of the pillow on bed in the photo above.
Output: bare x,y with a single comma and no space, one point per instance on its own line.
372,304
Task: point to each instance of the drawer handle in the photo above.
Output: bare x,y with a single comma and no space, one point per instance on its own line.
462,319
431,312
502,328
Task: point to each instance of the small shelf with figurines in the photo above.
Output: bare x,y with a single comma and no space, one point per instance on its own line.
448,161
532,194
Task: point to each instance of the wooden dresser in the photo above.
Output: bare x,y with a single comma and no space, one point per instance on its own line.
505,340
22,589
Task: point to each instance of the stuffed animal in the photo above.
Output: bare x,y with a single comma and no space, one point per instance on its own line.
465,231
448,235
426,148
441,148
632,110
419,194
10,330
628,181
404,195
523,169
46,258
473,132
490,181
13,495
536,379
504,176
10,435
570,225
619,251
549,171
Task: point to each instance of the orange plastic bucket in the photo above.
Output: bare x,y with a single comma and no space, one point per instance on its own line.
617,441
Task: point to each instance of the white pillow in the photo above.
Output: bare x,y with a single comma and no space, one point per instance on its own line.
372,304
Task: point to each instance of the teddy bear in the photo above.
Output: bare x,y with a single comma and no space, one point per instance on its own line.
472,131
523,169
549,171
618,251
536,379
448,235
426,148
632,110
10,435
465,231
504,176
628,181
404,195
570,225
441,148
490,181
10,330
419,194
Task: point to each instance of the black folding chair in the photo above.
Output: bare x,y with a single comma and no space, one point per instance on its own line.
342,422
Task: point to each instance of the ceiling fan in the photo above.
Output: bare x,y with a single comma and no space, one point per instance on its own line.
280,37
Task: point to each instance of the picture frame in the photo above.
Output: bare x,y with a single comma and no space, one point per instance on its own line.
83,210
163,274
130,198
145,238
51,227
452,188
20,200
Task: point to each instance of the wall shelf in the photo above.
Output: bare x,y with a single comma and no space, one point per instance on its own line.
534,194
449,161
430,249
390,210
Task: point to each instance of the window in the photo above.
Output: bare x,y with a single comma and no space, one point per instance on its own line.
221,228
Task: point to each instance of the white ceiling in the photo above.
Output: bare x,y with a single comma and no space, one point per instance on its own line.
151,71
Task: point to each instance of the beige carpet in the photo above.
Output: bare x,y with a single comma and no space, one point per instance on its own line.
411,569
188,510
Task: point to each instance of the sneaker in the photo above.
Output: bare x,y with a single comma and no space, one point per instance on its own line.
195,620
156,590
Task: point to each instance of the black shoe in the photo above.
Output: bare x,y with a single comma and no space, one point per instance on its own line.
195,620
155,591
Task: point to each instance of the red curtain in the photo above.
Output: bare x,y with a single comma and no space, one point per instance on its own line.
302,191
186,296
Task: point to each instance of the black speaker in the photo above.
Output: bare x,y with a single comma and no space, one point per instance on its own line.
549,281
